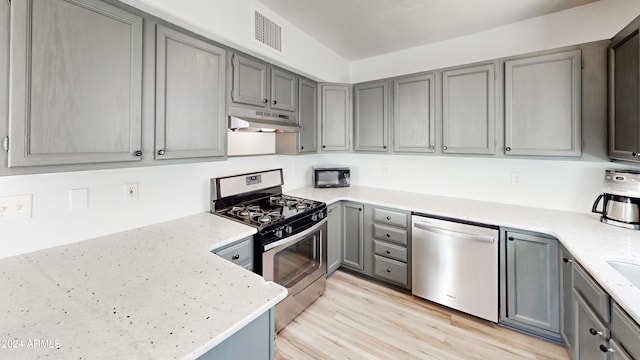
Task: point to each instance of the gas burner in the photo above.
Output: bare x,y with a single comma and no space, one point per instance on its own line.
265,217
281,200
244,210
302,205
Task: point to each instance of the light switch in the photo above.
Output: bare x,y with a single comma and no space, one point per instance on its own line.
78,198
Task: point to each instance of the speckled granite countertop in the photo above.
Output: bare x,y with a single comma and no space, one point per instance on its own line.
149,293
591,242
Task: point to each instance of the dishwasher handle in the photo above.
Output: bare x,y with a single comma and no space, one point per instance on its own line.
457,234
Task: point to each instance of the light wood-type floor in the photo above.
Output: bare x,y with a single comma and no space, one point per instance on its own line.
359,319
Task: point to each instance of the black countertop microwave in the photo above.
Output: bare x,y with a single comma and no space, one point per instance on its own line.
331,176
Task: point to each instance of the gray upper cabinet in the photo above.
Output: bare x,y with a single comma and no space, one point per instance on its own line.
624,92
371,122
308,116
543,105
249,81
284,87
76,74
530,284
414,126
468,111
190,98
335,117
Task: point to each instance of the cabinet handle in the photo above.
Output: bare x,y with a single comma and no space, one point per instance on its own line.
565,260
432,147
359,209
301,147
323,146
274,102
595,332
388,270
605,349
160,152
236,257
388,217
265,100
444,148
508,148
384,146
388,235
511,238
138,153
388,252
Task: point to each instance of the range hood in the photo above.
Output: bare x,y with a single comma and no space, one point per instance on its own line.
241,119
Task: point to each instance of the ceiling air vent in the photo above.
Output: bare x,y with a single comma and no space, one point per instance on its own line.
268,32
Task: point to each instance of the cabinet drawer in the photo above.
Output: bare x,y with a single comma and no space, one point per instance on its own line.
390,234
626,331
389,250
240,253
390,270
592,293
390,217
617,351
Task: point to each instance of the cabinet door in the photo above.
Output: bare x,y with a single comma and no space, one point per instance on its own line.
76,73
353,239
543,104
592,333
468,113
532,284
335,117
284,90
249,81
568,325
334,237
371,116
414,114
307,117
190,99
624,96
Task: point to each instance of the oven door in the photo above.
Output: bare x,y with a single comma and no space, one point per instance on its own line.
297,261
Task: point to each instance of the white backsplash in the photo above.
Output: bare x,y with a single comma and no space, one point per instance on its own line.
173,191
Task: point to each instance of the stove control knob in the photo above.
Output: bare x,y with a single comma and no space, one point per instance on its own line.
288,229
321,215
278,233
314,217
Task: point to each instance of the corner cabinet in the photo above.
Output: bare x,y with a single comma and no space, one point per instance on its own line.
353,252
468,110
335,117
414,121
190,97
76,75
371,116
624,94
530,283
542,105
335,227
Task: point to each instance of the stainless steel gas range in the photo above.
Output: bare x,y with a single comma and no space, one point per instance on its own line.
290,246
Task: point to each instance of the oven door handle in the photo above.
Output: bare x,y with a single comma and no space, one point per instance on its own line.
295,237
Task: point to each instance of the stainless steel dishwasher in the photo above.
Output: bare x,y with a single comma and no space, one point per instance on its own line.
456,264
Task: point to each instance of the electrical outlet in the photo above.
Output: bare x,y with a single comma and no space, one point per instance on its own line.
131,192
516,178
15,207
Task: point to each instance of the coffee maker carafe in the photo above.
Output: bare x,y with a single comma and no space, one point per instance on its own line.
621,199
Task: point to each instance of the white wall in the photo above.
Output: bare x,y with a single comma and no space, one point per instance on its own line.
165,193
230,22
592,22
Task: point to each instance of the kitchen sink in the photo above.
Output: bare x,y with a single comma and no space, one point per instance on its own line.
628,269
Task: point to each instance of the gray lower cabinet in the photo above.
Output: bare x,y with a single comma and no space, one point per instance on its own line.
239,252
76,74
353,252
249,81
542,105
190,97
335,117
389,242
617,351
591,332
334,237
371,116
414,128
567,326
254,341
624,92
284,90
625,335
468,110
530,284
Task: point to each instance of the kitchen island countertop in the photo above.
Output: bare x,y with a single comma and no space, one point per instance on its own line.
591,242
148,293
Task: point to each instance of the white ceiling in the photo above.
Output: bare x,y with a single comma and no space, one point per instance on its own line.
358,29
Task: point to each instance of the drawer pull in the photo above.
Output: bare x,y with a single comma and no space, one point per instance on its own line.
595,332
236,257
388,252
567,260
388,217
388,270
605,349
388,235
